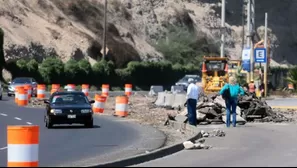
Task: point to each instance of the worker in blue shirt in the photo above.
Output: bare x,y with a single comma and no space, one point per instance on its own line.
231,99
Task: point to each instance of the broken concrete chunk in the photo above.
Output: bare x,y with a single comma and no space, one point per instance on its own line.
199,105
189,145
200,116
205,135
219,133
204,110
198,145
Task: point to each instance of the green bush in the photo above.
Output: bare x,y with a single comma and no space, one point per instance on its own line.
52,70
72,71
85,71
103,72
141,74
145,74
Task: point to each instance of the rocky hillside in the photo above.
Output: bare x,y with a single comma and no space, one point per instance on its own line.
74,27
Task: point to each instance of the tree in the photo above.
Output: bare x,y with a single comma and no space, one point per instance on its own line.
71,71
51,70
182,45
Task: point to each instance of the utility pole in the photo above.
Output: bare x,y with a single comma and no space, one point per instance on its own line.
223,11
104,30
249,39
253,16
243,23
266,63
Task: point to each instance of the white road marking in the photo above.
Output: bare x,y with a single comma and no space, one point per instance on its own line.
17,118
3,148
3,114
29,123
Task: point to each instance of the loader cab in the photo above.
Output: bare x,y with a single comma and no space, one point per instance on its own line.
214,73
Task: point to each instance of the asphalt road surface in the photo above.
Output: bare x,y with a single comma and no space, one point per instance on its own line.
252,145
63,145
282,102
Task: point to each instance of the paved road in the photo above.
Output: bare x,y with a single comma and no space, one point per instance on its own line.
283,102
70,145
264,145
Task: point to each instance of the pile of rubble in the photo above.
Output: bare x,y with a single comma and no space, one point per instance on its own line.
34,102
200,143
212,110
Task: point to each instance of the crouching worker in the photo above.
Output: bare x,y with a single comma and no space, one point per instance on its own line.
230,94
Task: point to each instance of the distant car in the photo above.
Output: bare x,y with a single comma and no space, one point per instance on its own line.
20,81
68,108
184,81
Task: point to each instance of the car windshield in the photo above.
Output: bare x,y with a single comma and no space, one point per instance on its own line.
69,99
186,78
21,80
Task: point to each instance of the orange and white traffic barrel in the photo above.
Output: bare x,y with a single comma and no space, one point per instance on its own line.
128,89
98,106
71,87
22,96
85,89
16,94
105,90
55,88
41,91
121,108
22,146
29,91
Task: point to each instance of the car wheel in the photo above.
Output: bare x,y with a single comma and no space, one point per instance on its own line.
48,124
89,124
1,97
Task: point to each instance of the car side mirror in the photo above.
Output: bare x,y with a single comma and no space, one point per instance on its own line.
46,101
92,101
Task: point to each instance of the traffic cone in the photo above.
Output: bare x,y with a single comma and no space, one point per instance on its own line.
204,67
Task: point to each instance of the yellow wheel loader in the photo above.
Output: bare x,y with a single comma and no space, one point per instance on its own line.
214,73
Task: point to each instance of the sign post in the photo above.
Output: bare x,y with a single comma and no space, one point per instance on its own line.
261,57
246,61
266,65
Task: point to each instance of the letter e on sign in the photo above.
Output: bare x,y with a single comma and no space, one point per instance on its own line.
260,55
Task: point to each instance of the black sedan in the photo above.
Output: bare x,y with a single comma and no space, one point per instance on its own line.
68,108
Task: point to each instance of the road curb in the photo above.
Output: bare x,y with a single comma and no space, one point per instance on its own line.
157,153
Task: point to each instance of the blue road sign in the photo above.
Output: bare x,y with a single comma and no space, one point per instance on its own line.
260,55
